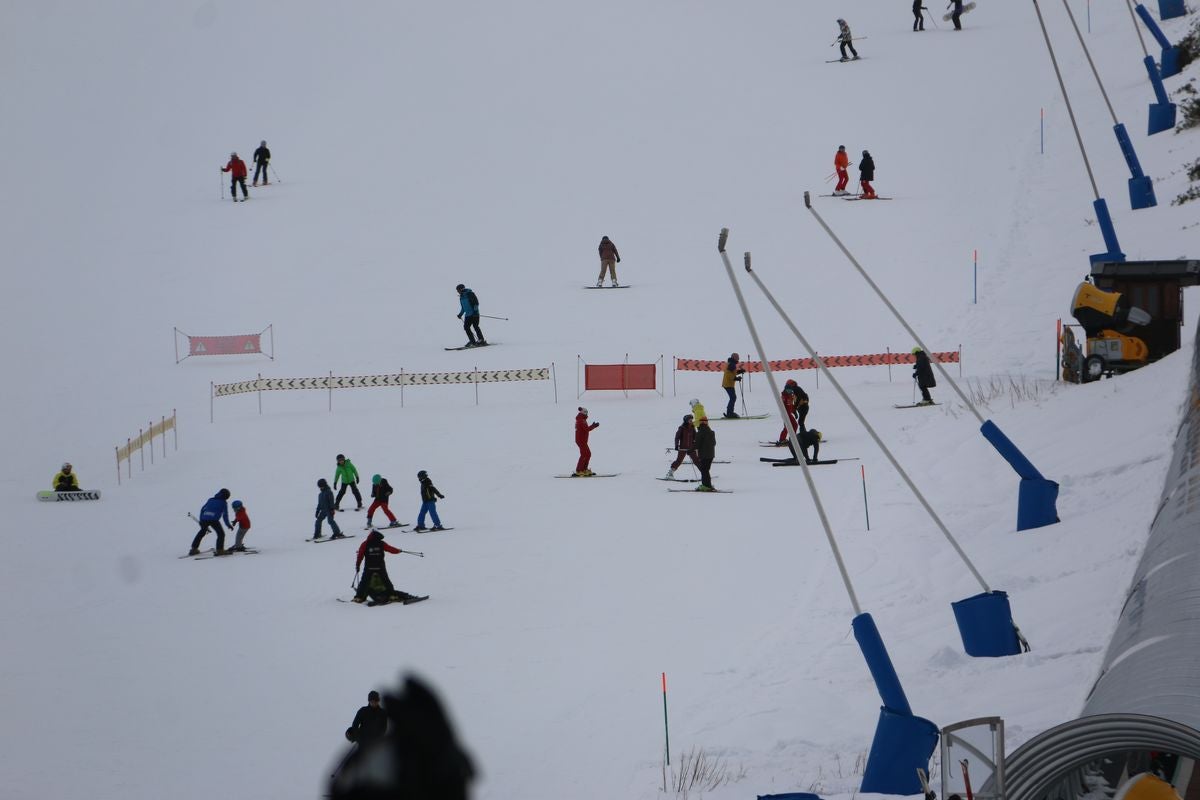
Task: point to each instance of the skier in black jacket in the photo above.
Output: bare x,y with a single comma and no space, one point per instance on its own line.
370,723
923,375
262,156
375,581
866,174
956,14
918,17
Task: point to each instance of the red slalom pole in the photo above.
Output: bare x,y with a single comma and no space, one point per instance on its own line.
866,510
666,727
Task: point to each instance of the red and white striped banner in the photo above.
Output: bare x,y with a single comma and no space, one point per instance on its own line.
792,364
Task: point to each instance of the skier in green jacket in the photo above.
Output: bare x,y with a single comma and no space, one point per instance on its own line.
348,475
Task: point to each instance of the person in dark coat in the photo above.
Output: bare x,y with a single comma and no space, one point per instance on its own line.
918,16
262,157
370,723
468,304
429,498
609,258
706,448
808,439
866,174
237,176
845,39
375,581
215,510
685,446
923,375
381,492
326,508
957,13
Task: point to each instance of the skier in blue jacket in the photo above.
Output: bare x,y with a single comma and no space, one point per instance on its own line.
326,508
469,314
215,510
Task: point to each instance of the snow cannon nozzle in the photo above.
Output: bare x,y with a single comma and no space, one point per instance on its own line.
807,200
746,259
722,240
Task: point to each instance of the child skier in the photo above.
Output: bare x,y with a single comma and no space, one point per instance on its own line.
697,411
348,474
841,165
582,432
375,581
326,508
923,375
729,379
211,515
243,522
846,39
381,491
237,175
706,447
65,480
866,174
429,498
685,445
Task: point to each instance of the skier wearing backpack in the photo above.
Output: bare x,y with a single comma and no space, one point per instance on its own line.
609,258
326,508
211,515
429,498
685,446
375,581
845,40
469,314
381,490
347,473
923,375
841,165
582,432
262,157
237,175
866,174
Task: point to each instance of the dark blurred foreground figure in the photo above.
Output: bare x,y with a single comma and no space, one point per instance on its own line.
418,759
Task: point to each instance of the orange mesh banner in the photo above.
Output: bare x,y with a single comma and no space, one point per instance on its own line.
791,364
619,377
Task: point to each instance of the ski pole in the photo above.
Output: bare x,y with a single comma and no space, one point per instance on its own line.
489,316
273,172
222,187
412,553
931,17
830,176
354,583
914,389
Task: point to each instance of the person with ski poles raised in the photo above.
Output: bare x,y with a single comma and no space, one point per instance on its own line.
845,40
375,581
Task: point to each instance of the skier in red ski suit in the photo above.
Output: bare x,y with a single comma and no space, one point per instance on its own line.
582,431
237,175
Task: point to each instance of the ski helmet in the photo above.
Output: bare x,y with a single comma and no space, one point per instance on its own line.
372,695
791,382
341,457
865,153
236,504
375,479
916,350
321,483
223,494
841,147
66,465
820,435
583,411
233,154
460,288
422,475
693,402
263,143
687,417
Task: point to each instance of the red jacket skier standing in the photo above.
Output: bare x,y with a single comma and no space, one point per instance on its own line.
237,175
582,431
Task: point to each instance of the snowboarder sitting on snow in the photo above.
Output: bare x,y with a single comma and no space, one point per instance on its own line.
262,157
609,258
375,582
469,313
381,491
429,498
685,445
582,432
866,174
706,448
845,39
326,508
729,379
370,723
65,480
348,475
242,518
841,165
211,515
237,175
923,375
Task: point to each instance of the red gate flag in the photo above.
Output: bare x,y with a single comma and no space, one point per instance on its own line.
619,377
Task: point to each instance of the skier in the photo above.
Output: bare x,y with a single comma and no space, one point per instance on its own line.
326,508
237,175
866,174
918,16
243,522
381,491
685,445
469,314
262,156
348,474
429,498
808,438
706,447
958,10
846,39
729,379
211,515
582,431
375,581
609,258
795,402
697,411
841,165
370,723
923,375
65,480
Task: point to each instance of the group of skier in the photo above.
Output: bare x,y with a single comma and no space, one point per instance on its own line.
237,170
866,173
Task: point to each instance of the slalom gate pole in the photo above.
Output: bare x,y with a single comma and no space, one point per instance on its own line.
866,510
867,425
666,725
783,415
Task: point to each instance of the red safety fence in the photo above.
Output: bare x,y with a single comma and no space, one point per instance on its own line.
242,344
791,364
620,377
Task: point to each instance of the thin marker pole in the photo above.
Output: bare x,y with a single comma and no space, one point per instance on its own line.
866,510
666,726
975,290
1042,131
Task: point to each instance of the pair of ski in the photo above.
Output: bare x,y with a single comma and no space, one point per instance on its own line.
792,462
472,346
618,286
734,419
697,491
597,475
917,405
408,601
212,553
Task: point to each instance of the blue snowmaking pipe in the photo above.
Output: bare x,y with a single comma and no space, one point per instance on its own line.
1108,232
1141,188
1037,497
880,664
1162,113
1170,54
